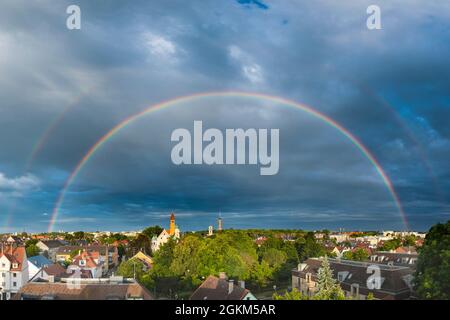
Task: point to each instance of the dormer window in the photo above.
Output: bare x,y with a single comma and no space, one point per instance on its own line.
15,265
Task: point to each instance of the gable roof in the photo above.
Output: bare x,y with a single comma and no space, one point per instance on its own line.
88,257
54,270
214,288
52,244
146,259
16,255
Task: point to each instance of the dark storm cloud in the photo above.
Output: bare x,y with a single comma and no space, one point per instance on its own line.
388,87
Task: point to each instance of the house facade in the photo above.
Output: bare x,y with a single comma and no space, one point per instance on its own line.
357,279
13,271
50,247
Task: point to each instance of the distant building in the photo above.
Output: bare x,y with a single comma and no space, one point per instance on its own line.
339,237
114,288
164,236
394,282
219,224
50,247
210,231
214,288
13,270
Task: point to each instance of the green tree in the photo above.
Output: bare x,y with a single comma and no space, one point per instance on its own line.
132,268
152,231
328,288
141,243
358,254
391,244
409,240
30,242
432,278
309,247
292,295
32,250
79,235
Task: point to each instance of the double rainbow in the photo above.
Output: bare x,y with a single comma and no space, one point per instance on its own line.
193,97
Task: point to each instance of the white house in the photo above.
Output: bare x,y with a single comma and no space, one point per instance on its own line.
13,271
163,237
36,263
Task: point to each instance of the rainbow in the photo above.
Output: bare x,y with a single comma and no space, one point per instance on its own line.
172,102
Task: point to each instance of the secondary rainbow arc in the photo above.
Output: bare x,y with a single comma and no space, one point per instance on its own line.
172,102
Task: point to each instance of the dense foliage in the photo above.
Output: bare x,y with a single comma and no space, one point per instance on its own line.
432,278
183,264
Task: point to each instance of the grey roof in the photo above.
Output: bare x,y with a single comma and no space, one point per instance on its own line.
395,278
51,244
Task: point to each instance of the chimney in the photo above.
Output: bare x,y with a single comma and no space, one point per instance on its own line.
230,286
242,284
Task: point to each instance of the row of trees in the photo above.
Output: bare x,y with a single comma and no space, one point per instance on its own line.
184,265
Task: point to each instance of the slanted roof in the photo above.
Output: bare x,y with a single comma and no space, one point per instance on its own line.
214,288
146,259
40,261
55,270
15,255
61,291
52,244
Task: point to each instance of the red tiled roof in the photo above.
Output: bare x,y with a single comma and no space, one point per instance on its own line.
14,255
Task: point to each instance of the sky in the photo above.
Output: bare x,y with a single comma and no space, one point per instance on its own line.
61,90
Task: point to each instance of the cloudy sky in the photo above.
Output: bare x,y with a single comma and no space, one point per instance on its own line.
61,90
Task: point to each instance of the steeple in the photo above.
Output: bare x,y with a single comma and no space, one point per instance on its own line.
172,224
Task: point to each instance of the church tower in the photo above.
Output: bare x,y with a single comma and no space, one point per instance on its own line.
172,224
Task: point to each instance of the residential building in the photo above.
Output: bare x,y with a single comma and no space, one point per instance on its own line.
36,263
357,279
145,259
13,270
394,258
50,247
88,260
52,271
109,254
220,288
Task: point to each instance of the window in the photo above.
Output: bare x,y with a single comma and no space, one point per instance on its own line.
3,265
14,275
14,284
342,275
15,265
